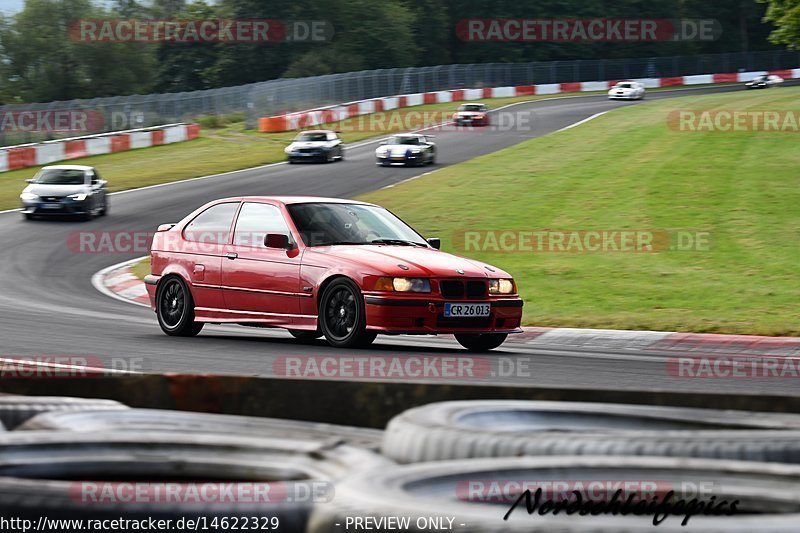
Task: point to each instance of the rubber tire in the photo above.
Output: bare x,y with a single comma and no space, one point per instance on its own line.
769,500
470,429
28,216
482,342
15,410
104,211
187,327
192,422
360,336
163,455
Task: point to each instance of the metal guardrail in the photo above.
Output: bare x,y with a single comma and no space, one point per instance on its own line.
277,96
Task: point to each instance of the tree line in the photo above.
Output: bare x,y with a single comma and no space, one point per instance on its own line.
42,62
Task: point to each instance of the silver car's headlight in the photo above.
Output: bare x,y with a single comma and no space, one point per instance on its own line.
501,286
28,197
78,197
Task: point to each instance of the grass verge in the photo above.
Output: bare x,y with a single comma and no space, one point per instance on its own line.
629,170
141,269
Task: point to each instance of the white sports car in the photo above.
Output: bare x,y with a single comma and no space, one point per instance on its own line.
764,82
627,90
412,149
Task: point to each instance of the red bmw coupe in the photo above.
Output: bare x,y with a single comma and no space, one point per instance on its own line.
319,266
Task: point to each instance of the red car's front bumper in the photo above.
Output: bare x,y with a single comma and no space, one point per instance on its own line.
426,316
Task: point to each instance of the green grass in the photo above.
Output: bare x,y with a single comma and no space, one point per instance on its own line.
141,269
628,170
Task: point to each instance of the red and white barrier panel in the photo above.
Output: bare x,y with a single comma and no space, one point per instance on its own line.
32,155
316,117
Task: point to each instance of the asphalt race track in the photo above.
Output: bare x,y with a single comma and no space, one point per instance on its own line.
48,305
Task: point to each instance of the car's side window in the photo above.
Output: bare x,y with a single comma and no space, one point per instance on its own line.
212,226
255,221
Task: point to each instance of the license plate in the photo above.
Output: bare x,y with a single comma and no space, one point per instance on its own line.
51,206
399,158
467,310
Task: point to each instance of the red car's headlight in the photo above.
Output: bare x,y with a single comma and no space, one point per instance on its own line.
502,286
403,284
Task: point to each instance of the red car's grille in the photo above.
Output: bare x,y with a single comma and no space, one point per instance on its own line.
463,288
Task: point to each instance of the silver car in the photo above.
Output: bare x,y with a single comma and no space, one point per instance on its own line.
72,190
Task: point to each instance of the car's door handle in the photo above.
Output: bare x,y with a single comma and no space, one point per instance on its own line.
231,255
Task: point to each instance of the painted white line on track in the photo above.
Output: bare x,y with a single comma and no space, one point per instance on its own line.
97,281
584,121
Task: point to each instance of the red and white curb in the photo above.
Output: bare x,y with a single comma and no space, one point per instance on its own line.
119,282
45,153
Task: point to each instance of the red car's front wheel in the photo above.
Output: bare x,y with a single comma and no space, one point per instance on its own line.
342,317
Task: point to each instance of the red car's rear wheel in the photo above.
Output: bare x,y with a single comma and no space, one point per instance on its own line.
342,317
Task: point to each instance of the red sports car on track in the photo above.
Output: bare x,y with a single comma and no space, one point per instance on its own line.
318,266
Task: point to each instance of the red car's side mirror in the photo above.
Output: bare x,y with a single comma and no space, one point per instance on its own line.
277,240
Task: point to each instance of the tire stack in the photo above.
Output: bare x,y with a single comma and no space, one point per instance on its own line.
451,466
224,472
471,460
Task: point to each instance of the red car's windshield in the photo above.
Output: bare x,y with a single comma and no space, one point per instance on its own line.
322,224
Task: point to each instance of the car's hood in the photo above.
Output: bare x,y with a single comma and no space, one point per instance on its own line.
54,190
421,262
622,90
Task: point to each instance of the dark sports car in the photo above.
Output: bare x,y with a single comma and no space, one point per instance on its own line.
318,145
